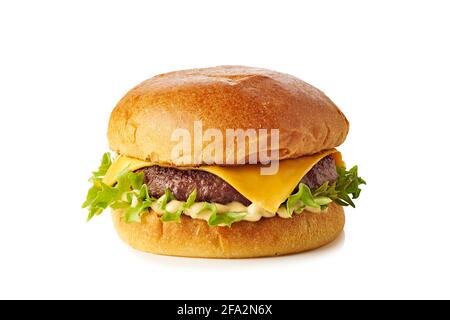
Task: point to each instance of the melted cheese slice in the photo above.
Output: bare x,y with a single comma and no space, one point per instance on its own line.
266,191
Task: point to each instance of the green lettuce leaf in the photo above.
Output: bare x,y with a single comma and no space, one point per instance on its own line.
298,201
130,193
104,166
348,184
176,216
226,218
168,196
96,179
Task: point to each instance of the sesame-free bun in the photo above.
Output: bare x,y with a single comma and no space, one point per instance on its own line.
224,97
267,237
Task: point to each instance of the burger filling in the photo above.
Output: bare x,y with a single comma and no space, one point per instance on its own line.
211,188
173,192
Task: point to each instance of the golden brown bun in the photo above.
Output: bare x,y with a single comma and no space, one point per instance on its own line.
267,237
224,97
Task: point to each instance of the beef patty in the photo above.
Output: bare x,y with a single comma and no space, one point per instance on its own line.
211,188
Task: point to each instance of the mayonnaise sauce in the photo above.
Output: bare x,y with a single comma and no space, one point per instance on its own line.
254,212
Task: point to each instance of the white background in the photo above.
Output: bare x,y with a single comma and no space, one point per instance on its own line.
64,65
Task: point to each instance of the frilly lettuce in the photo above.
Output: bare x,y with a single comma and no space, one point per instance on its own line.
130,193
175,216
226,218
346,185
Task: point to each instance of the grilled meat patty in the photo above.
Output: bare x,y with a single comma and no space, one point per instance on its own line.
211,188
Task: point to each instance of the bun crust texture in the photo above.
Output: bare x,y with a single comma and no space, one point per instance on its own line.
267,237
224,97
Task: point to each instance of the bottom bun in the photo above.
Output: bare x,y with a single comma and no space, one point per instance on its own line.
267,237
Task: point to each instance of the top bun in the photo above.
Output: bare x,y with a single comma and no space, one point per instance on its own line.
224,97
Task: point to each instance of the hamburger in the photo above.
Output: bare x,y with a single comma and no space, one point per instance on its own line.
187,180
